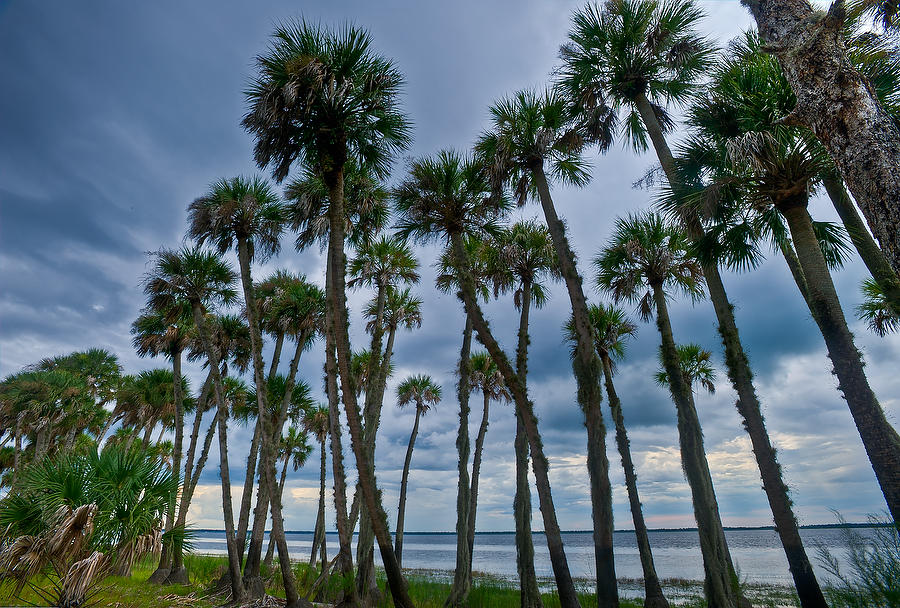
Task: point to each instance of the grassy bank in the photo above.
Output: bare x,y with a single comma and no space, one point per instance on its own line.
428,589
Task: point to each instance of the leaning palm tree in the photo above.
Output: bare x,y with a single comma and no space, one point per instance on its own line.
154,336
247,215
623,65
612,327
383,264
446,197
421,391
315,422
532,141
325,97
520,259
485,377
644,262
202,280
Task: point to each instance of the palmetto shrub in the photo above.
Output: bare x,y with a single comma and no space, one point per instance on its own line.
76,517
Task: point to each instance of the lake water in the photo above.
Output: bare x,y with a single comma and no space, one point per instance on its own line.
757,553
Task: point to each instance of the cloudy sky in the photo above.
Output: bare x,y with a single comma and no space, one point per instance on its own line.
116,115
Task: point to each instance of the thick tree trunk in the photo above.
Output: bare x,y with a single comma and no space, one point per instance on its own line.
653,593
404,479
529,592
587,368
266,447
872,255
247,490
565,586
476,472
462,575
741,377
837,103
721,584
881,441
234,561
340,324
345,531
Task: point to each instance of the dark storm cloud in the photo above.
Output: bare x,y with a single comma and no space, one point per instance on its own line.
114,116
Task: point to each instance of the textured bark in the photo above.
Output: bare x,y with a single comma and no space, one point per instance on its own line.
881,441
836,102
720,583
653,593
568,597
340,323
270,548
587,368
319,533
529,592
462,575
476,472
267,451
247,490
234,561
741,377
872,255
404,479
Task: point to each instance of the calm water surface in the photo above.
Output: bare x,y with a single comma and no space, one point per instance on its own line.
757,553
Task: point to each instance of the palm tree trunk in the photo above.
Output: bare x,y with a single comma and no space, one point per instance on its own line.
462,575
529,592
17,451
881,441
748,405
587,368
340,324
266,447
110,420
790,256
163,570
345,531
871,254
319,533
404,479
234,562
839,105
653,593
720,578
247,491
270,550
476,473
565,586
276,356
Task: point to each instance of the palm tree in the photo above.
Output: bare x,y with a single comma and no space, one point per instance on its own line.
520,259
422,391
294,114
645,261
446,197
485,377
622,66
202,280
875,310
154,336
315,422
612,327
775,169
246,214
531,141
384,263
294,449
696,366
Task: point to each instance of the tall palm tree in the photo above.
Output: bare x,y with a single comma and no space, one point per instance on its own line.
612,328
485,377
247,215
293,449
446,197
154,336
644,262
775,169
695,364
421,391
324,97
202,280
531,141
520,259
623,65
383,263
315,422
